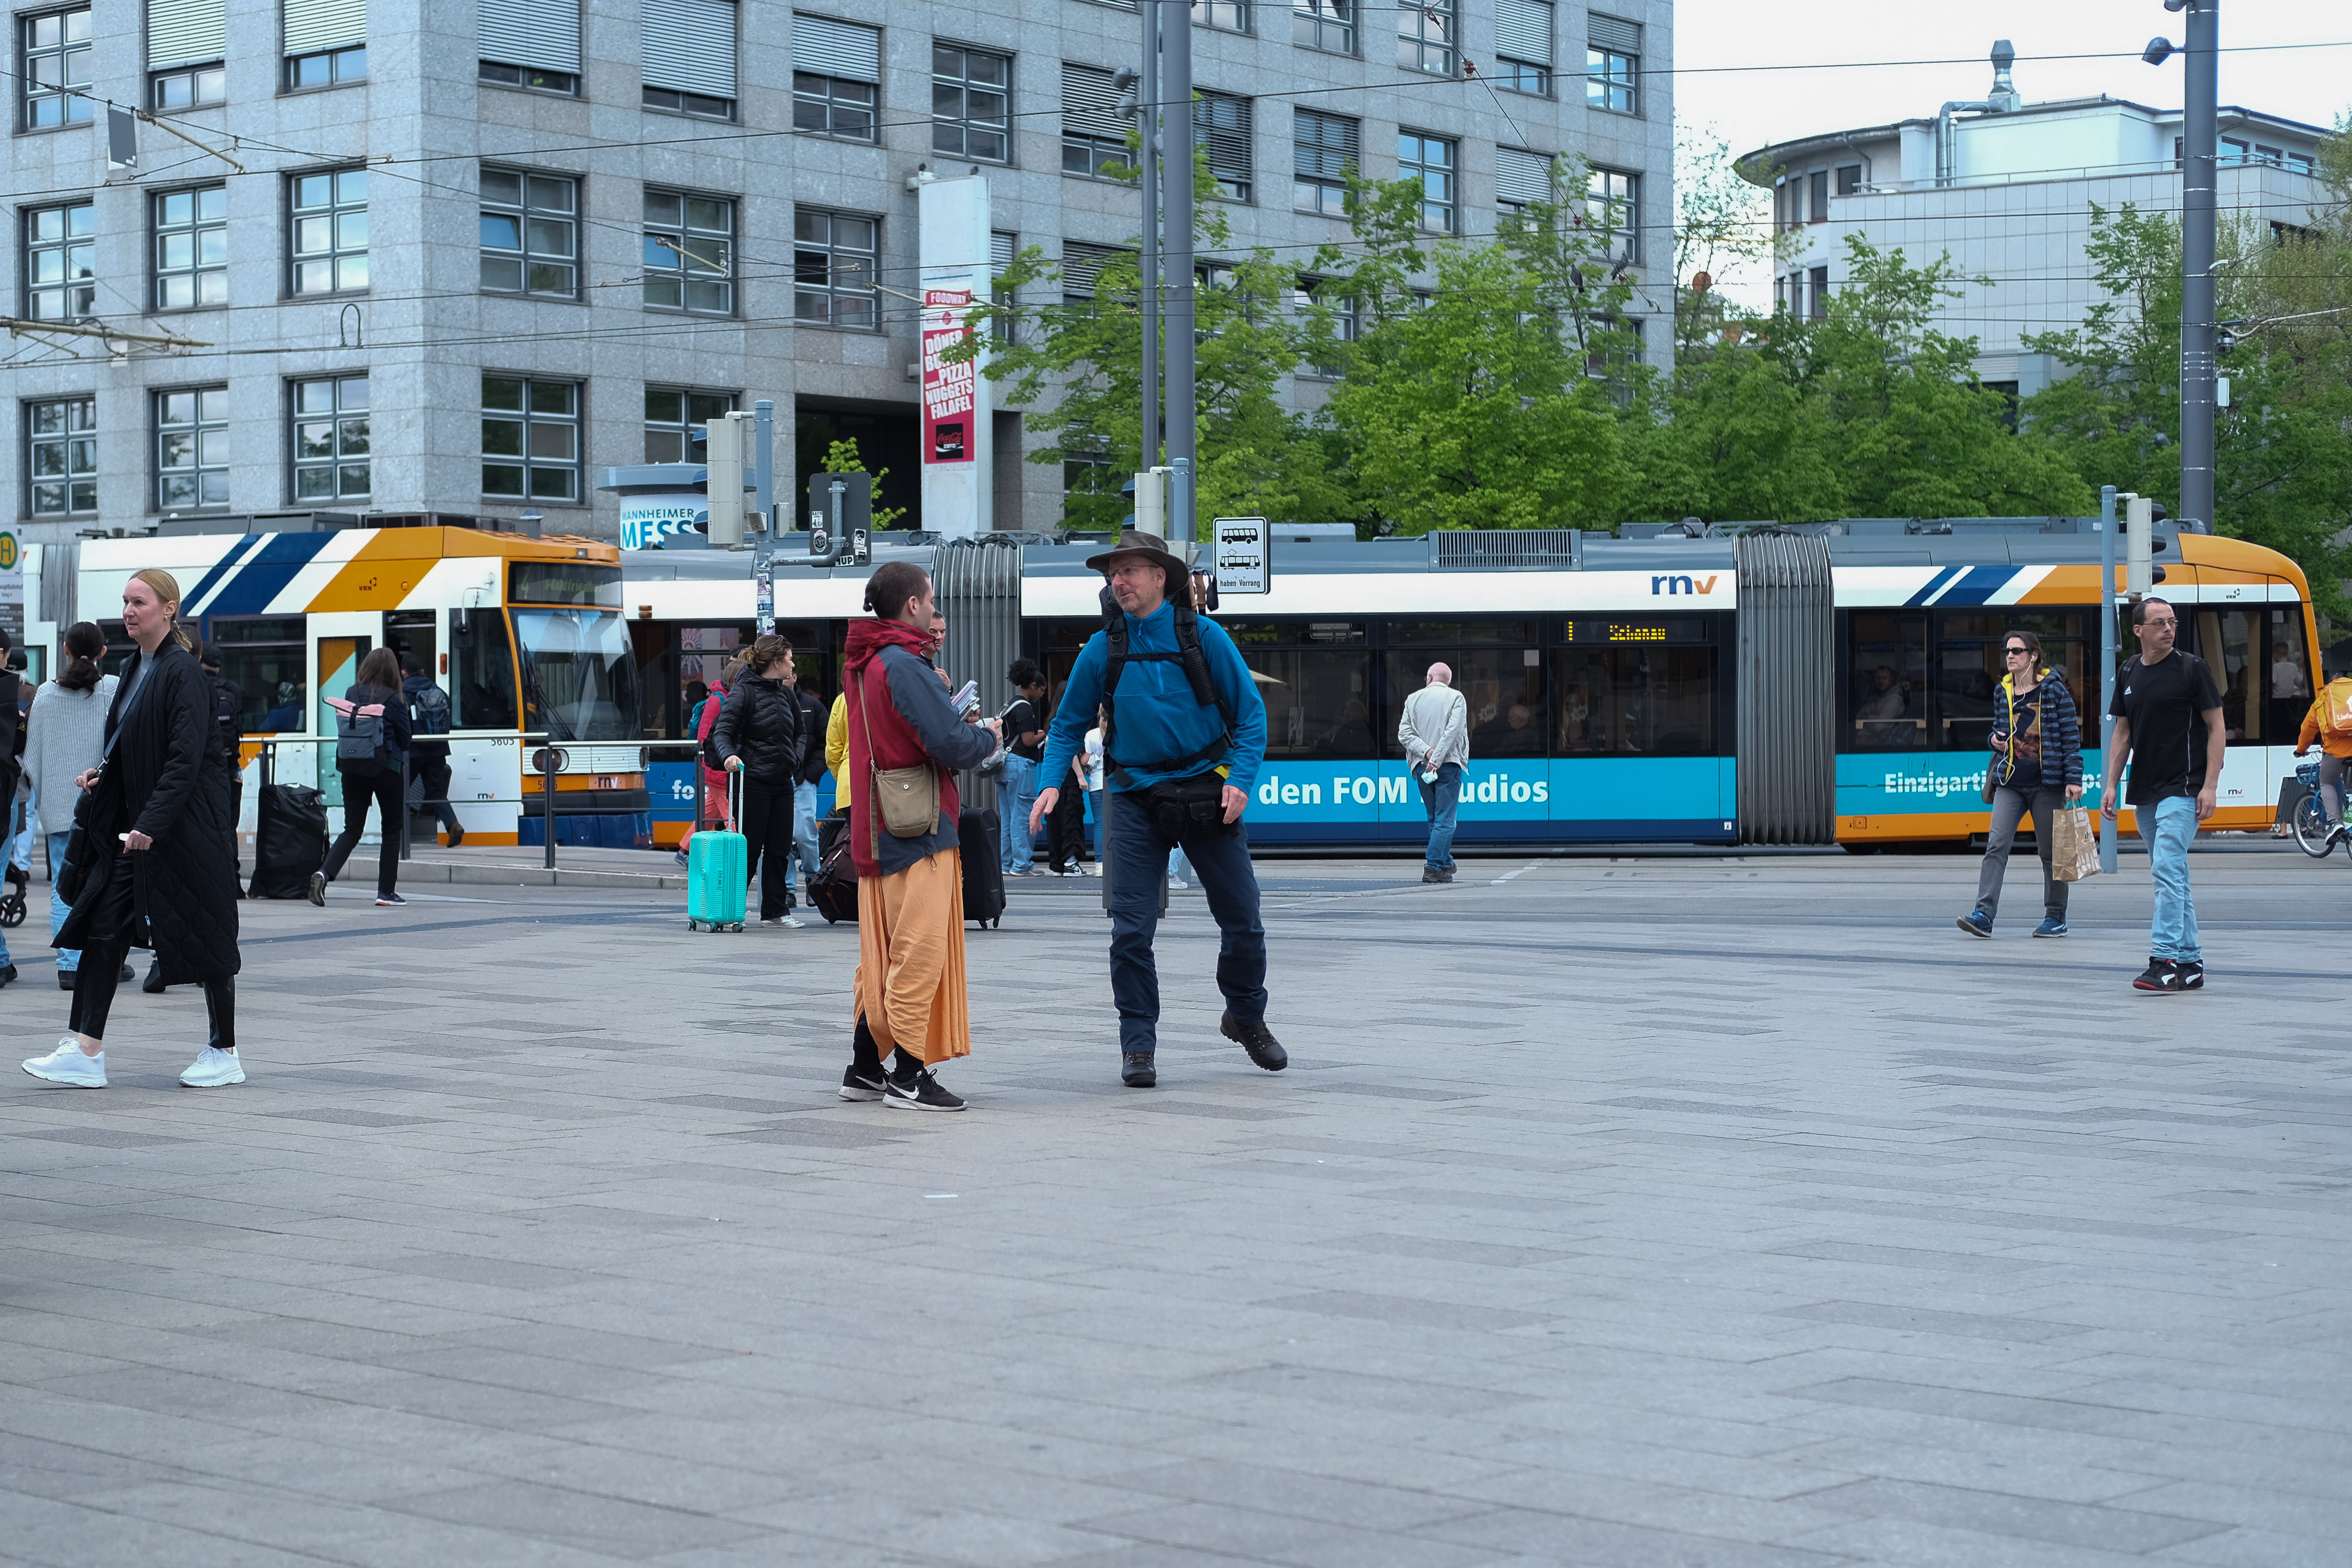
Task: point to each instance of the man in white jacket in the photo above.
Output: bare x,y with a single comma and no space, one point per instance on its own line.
1434,729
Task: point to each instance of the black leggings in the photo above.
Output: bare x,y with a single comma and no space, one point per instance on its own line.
383,786
767,830
102,964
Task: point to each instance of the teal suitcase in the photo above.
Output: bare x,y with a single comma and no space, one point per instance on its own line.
717,875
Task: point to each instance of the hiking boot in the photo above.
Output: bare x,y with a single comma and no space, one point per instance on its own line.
2162,974
2191,973
1976,922
862,1082
70,1065
1432,874
920,1091
1258,1040
2052,926
1136,1069
213,1069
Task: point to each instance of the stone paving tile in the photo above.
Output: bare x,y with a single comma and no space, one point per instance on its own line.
575,1258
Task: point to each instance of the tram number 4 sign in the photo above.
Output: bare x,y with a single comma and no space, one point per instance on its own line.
1244,559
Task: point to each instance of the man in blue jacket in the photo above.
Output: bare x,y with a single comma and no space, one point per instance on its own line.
1182,741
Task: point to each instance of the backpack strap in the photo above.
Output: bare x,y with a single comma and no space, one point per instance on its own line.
1195,662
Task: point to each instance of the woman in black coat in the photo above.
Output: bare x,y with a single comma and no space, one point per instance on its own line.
760,735
154,864
381,777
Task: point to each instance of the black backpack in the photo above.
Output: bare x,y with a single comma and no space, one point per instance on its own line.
1195,664
428,711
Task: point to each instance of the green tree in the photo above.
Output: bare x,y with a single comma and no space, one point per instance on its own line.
841,458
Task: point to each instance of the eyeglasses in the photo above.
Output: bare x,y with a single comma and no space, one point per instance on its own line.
2014,652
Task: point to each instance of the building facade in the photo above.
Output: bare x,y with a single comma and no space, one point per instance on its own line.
2006,188
456,256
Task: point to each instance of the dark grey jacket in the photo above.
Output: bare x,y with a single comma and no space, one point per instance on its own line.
922,701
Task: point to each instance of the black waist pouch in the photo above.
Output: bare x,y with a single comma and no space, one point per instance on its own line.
1191,807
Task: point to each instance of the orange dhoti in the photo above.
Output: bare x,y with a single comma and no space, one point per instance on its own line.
910,986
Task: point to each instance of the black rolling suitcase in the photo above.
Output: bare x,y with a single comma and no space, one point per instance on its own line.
289,836
983,866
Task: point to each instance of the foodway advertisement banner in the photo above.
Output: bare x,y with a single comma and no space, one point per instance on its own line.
952,250
947,405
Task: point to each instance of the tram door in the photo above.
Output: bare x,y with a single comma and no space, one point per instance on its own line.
338,666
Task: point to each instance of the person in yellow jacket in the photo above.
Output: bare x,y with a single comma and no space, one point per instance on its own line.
2327,724
837,749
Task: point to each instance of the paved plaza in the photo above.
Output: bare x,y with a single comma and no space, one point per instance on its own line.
1690,1210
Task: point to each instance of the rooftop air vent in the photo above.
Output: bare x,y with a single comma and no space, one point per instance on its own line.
1506,548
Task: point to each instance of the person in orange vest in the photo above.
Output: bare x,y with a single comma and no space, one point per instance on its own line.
2330,723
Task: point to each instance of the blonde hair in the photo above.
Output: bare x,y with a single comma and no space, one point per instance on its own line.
167,590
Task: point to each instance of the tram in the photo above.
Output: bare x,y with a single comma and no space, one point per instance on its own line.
1830,683
523,632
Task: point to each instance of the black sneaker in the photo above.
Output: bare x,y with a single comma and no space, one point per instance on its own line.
153,983
1136,1069
1432,874
315,889
2162,974
8,975
921,1092
2192,974
1258,1040
862,1083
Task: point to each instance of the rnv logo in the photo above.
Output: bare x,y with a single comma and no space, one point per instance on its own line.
1682,582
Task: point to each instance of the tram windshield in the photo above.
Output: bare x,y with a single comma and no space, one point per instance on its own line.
579,677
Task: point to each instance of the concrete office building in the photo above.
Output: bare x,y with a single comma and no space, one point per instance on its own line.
458,256
2006,188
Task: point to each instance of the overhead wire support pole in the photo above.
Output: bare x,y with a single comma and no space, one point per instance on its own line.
85,330
1176,201
2107,649
1148,105
2200,114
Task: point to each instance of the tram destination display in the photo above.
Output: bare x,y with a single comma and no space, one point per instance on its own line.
1637,629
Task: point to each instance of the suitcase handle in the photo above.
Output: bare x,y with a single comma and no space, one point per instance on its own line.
735,800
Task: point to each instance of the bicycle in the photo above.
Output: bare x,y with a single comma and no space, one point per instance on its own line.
2312,833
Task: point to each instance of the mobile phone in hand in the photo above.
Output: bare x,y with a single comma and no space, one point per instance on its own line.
966,696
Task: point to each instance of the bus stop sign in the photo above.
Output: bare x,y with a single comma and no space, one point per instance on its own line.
1243,559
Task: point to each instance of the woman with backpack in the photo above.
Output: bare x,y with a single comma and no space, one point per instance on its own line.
65,738
2037,767
758,735
372,735
152,862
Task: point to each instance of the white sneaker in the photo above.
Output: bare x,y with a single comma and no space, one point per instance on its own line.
69,1064
792,923
1180,884
213,1069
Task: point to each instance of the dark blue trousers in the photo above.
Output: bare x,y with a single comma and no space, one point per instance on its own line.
1139,869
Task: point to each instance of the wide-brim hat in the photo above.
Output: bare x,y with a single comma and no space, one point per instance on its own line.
1134,541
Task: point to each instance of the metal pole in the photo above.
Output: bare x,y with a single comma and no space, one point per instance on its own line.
2106,662
547,765
1147,97
407,774
763,457
2197,313
1176,201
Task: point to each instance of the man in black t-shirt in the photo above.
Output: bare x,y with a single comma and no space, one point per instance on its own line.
2168,714
1024,745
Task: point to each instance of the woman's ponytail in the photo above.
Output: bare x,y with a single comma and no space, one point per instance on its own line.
84,644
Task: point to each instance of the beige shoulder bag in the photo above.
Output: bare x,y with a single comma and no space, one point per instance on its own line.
906,799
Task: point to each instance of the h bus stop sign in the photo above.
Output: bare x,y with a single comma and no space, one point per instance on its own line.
1244,559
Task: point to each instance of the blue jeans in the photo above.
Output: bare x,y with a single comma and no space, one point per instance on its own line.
1439,800
1016,787
804,816
2173,932
1139,870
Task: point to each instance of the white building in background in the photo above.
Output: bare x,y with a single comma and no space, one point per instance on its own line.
2006,188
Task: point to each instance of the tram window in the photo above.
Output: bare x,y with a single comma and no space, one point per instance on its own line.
579,676
1633,702
1293,633
263,655
1440,634
2258,663
1969,667
564,582
1503,687
1318,705
1887,695
481,670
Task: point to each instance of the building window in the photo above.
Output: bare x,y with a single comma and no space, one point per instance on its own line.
1425,36
1521,178
689,252
188,87
1612,206
1226,15
1612,64
971,103
61,455
328,67
1002,247
1323,156
1220,122
2301,162
834,256
2233,150
53,70
530,233
531,78
675,416
191,247
531,439
1523,55
1849,180
1346,324
1326,24
700,106
1082,267
60,263
1431,160
1817,197
1819,291
1094,135
330,231
192,449
688,57
331,439
836,77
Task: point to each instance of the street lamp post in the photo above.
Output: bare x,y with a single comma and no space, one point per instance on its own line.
2200,112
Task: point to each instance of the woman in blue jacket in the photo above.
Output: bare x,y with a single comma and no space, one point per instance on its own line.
2037,767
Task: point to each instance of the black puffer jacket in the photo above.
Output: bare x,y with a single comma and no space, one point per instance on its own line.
160,780
761,723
